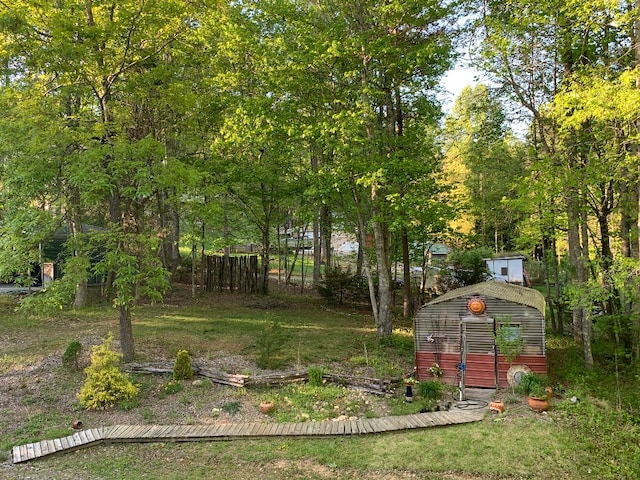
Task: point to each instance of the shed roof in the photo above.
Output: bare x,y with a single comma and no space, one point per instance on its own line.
501,290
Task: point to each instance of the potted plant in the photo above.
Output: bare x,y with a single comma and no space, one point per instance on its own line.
535,387
267,406
538,398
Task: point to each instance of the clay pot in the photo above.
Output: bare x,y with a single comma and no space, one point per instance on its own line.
267,407
496,406
538,404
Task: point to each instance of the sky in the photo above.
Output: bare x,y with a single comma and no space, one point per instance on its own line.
454,82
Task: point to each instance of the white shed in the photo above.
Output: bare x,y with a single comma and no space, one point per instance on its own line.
508,269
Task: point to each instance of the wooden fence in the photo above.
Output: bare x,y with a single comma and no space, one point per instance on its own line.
231,273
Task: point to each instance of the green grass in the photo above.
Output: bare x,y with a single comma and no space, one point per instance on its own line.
487,450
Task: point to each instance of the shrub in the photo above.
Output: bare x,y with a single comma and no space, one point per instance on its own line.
105,385
71,355
270,344
340,285
532,384
315,376
182,369
172,386
430,389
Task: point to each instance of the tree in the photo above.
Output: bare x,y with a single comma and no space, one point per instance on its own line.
477,139
82,59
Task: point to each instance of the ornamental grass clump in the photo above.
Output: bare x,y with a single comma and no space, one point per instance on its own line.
106,385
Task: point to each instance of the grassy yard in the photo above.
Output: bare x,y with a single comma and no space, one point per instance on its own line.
590,439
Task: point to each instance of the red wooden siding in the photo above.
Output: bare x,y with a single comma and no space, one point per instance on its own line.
480,368
537,364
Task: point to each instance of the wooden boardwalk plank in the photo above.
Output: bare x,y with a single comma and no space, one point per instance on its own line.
23,452
307,428
65,443
44,447
51,446
58,443
90,437
362,426
30,451
131,433
320,427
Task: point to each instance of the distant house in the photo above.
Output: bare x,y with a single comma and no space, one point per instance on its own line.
436,253
508,269
54,253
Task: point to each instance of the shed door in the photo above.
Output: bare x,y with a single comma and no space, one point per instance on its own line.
479,352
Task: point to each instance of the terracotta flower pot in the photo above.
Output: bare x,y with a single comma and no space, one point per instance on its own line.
497,406
267,407
538,404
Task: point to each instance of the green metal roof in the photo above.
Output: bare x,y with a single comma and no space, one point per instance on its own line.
500,290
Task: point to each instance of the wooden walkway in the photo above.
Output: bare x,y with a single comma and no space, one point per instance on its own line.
234,431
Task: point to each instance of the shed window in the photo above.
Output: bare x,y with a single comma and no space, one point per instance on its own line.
504,271
510,331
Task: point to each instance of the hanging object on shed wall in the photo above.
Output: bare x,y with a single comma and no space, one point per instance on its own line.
476,305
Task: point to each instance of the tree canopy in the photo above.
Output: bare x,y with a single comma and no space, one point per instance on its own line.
167,124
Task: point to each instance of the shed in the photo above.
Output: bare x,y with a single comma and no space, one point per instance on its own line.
508,269
457,331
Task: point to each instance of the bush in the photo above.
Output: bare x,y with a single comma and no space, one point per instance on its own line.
172,386
430,389
532,384
341,285
71,355
106,385
182,369
270,344
315,376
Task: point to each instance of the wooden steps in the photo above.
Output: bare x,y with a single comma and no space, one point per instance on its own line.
234,431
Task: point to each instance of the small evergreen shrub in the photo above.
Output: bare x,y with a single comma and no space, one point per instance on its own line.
340,286
315,376
106,385
182,369
270,344
71,355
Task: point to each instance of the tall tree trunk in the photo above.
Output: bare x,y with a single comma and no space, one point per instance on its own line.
317,250
635,245
266,260
575,255
317,254
362,239
126,334
547,282
407,304
558,288
80,298
169,223
587,323
385,292
326,227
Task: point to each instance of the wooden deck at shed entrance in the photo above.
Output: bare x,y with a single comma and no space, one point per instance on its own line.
235,431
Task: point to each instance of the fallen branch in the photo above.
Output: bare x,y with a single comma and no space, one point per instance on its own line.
374,386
